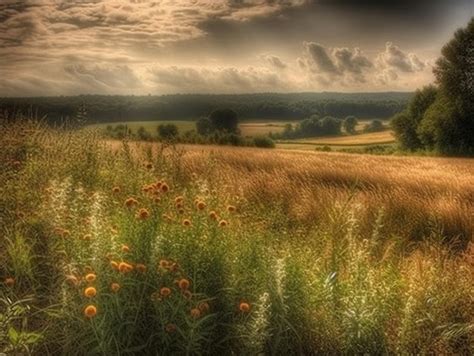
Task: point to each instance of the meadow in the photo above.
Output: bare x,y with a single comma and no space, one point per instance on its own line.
117,247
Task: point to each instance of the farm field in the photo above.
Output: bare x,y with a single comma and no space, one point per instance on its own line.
113,247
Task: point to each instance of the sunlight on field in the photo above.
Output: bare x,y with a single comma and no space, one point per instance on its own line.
117,247
371,138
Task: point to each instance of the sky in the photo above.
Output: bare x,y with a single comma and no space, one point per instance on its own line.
140,47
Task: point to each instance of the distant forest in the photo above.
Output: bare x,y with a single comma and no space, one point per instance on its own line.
105,108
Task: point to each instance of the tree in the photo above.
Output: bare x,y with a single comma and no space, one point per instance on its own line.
168,131
349,124
406,123
204,126
374,126
225,120
143,134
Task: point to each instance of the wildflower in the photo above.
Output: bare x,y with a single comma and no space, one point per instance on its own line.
165,187
90,277
143,214
186,222
183,284
72,280
181,211
116,190
140,267
90,292
231,208
90,311
115,287
158,184
149,165
179,199
125,249
165,291
223,223
156,200
187,294
204,307
244,307
125,267
131,202
170,328
164,264
114,265
195,313
201,205
213,215
179,206
9,281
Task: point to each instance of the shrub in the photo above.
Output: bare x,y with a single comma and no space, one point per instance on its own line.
263,142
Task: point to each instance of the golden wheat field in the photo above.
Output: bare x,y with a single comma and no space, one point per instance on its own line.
117,247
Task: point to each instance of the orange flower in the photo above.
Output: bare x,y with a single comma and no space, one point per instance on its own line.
203,307
201,205
244,307
179,199
114,265
165,291
186,222
90,292
213,215
131,202
164,264
170,328
183,284
90,277
140,267
165,187
195,313
223,223
231,208
187,294
143,214
90,311
9,281
149,165
125,248
116,190
115,287
125,267
179,206
156,200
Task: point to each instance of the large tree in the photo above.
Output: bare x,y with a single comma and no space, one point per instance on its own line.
225,120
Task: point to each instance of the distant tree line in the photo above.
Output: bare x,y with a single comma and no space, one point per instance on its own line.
297,106
441,118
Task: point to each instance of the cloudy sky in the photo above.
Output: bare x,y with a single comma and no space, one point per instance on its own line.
66,47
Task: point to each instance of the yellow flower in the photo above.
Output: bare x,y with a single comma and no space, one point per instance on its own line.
201,205
90,292
131,202
179,199
90,311
115,287
125,248
244,307
165,187
114,265
125,267
213,215
186,222
231,208
90,277
223,223
165,291
143,214
116,190
164,264
183,284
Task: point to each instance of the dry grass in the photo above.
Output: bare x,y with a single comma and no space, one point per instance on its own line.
413,193
371,138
